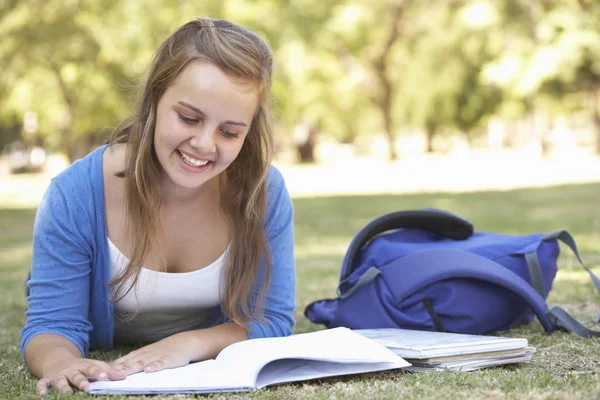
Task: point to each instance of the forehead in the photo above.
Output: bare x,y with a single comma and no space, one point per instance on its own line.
201,82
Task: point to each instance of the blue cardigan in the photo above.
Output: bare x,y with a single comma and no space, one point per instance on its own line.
69,292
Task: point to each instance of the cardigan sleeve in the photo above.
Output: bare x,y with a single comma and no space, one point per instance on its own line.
280,299
59,287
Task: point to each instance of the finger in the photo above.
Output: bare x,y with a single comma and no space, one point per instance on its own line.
42,386
62,384
122,362
126,364
133,366
123,368
135,361
156,366
94,371
127,357
112,373
144,363
79,380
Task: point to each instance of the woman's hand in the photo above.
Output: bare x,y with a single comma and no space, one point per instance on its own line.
76,372
174,351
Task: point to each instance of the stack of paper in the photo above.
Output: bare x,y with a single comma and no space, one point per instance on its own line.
439,351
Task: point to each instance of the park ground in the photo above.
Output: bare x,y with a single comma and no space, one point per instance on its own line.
510,193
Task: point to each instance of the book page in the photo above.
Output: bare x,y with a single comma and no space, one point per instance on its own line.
472,364
292,370
338,347
238,366
425,344
482,355
201,377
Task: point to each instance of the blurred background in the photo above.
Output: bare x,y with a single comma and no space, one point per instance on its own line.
381,105
451,94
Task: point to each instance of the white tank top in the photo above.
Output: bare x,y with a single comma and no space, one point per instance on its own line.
169,303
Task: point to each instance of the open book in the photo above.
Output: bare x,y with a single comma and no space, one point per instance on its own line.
254,364
438,351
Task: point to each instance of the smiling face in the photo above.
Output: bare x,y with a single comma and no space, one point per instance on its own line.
202,120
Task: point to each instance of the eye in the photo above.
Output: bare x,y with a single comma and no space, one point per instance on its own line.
230,134
186,119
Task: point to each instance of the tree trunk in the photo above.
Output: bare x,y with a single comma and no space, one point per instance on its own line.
596,116
431,130
68,140
535,135
533,12
389,131
430,142
305,144
380,66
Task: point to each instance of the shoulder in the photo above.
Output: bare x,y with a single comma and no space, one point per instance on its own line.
275,181
114,159
280,209
277,191
82,174
114,162
71,202
77,190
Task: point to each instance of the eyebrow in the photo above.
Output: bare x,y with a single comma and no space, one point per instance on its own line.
196,109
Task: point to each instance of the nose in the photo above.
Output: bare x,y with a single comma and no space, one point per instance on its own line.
204,139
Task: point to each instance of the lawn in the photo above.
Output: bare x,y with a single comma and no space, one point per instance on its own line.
564,366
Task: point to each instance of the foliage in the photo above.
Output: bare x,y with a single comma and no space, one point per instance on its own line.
348,67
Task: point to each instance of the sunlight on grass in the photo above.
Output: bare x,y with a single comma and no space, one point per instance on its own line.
322,249
579,276
23,190
470,171
464,172
14,255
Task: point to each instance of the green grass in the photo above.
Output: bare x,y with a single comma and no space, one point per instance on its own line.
565,366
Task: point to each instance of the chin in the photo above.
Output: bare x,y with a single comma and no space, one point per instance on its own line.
188,183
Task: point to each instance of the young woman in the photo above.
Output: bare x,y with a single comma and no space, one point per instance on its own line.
178,234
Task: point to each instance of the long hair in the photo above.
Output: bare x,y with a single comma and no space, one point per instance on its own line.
239,53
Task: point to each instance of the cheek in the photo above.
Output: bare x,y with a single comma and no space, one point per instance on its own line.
165,133
231,151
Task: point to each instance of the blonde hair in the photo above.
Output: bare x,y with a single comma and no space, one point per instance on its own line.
239,53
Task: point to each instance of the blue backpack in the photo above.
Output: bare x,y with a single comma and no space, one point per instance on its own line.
428,270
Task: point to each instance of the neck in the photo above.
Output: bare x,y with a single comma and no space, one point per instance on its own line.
172,194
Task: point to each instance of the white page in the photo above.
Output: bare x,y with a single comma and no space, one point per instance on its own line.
293,370
200,377
489,361
471,365
425,344
464,361
339,345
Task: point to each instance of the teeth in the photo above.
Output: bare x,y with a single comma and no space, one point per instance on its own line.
192,161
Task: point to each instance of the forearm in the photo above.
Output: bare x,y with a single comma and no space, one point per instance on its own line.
45,350
209,342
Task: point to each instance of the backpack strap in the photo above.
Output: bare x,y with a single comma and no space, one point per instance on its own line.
433,265
437,221
563,320
559,316
567,239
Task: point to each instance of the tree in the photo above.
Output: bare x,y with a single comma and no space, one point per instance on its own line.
76,64
552,48
312,91
444,88
372,38
575,40
51,66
